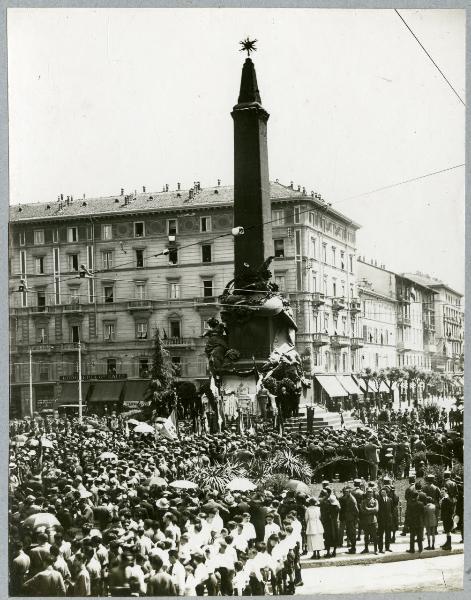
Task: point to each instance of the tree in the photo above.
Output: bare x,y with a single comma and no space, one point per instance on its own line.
414,375
391,376
366,375
160,393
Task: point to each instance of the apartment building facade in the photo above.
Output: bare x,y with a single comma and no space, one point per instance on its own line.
161,260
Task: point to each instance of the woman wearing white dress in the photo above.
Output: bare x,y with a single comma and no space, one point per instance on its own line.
314,528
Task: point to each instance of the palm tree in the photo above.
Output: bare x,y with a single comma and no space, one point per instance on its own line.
414,375
366,375
391,376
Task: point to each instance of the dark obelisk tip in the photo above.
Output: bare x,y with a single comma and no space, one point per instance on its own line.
248,84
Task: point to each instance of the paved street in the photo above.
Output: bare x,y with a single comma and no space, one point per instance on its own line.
440,574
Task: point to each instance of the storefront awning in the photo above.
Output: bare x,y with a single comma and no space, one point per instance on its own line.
331,385
70,392
107,391
134,392
348,383
365,387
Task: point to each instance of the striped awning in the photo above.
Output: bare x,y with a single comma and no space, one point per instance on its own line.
331,385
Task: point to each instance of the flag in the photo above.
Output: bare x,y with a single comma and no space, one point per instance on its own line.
168,429
46,443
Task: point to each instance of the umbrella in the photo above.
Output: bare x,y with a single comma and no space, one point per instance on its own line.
134,422
159,481
298,486
183,484
108,455
241,484
41,520
144,428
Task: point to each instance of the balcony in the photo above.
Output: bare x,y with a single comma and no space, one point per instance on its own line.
73,307
403,320
403,346
428,326
70,347
40,310
139,305
318,299
95,377
404,298
40,347
355,306
430,348
320,339
338,304
178,342
339,341
356,343
206,300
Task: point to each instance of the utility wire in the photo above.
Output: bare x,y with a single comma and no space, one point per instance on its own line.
426,52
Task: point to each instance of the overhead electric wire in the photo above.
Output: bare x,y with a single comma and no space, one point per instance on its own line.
431,59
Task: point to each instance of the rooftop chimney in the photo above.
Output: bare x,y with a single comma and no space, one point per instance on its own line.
143,189
291,185
178,186
304,191
190,193
122,191
219,182
84,196
299,188
62,196
166,187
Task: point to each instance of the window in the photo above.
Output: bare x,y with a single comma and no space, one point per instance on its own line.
326,323
314,282
140,291
107,259
41,301
72,234
344,325
108,331
206,252
334,289
73,262
173,256
55,236
173,290
39,236
111,367
43,372
172,226
344,363
334,256
108,293
144,367
89,232
177,365
297,214
351,263
324,282
207,288
41,335
139,229
141,330
297,242
175,330
22,238
205,224
74,333
39,265
313,248
106,232
75,295
279,248
139,258
280,281
324,253
205,327
278,217
342,261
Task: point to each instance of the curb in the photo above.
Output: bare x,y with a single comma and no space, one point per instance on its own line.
372,559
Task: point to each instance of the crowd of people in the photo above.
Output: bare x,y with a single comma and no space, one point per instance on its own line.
97,509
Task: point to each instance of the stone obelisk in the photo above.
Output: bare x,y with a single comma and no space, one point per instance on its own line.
251,184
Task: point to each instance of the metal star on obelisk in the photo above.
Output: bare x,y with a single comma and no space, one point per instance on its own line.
248,46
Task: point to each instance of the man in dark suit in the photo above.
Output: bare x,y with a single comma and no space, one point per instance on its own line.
358,494
348,519
447,511
416,514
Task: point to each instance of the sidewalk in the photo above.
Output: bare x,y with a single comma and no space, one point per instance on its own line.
398,554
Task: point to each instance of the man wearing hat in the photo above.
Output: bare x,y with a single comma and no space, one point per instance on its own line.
432,491
410,491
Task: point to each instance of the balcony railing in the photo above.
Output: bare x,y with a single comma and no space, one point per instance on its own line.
404,298
320,339
39,310
71,347
355,306
94,377
74,306
318,298
40,347
403,320
140,305
430,347
339,341
356,343
178,341
338,303
403,346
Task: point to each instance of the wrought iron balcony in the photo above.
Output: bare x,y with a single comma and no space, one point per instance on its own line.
180,342
71,347
430,348
403,346
339,341
73,307
94,377
40,310
139,305
355,306
403,320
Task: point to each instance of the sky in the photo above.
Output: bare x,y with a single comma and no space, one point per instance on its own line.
104,99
